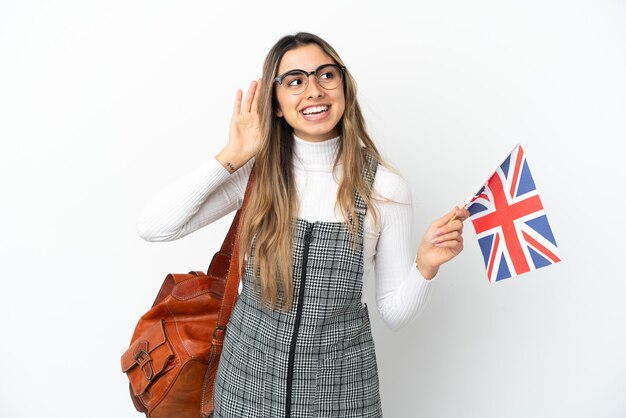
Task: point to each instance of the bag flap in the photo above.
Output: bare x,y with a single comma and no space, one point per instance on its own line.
170,281
197,286
147,357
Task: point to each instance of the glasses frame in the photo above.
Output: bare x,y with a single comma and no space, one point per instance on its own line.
308,74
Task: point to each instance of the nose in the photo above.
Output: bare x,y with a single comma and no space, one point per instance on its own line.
313,88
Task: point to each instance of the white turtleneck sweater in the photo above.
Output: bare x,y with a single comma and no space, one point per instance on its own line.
210,191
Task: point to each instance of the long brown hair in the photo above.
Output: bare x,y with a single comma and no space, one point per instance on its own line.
268,221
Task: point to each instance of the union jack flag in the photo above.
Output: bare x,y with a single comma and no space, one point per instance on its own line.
510,222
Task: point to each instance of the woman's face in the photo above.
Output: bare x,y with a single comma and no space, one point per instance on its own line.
315,113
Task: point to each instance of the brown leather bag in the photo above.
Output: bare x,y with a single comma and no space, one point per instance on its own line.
175,350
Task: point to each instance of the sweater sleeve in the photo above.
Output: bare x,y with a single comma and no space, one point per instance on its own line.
401,291
197,199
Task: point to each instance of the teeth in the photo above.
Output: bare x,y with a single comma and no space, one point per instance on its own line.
314,109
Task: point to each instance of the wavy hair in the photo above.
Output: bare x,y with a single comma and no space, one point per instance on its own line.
268,222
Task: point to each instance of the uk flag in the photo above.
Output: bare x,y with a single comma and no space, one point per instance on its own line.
510,222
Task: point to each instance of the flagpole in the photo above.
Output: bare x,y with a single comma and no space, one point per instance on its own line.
454,216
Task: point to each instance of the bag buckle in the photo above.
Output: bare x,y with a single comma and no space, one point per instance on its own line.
220,328
144,361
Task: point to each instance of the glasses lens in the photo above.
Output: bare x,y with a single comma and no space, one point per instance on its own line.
295,82
329,76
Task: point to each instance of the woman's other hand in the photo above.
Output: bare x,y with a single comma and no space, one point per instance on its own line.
442,241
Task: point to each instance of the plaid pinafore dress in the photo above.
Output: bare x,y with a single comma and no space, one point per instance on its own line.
317,359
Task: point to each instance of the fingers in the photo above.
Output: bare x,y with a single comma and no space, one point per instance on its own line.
456,244
251,96
449,227
454,235
247,104
449,240
454,214
446,228
462,213
251,102
237,106
257,94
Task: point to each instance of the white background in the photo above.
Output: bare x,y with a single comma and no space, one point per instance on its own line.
102,103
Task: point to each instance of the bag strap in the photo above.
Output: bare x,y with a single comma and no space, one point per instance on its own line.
231,245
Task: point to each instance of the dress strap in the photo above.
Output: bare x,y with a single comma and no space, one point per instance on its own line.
368,171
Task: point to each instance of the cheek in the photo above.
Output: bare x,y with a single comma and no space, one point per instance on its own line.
284,105
341,105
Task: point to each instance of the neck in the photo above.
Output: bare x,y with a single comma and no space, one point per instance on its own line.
315,155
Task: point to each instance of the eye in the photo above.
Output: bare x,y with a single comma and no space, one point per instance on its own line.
294,80
328,74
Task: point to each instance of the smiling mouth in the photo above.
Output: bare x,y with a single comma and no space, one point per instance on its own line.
315,110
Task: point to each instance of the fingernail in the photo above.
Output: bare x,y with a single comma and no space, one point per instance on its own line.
437,233
434,240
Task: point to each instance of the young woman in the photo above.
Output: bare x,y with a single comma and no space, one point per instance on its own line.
324,214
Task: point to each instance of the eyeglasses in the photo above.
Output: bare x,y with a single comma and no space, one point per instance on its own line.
328,76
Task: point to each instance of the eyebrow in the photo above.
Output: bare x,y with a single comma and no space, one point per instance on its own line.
300,69
294,70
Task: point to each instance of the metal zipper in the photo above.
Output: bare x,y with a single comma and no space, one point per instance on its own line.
308,236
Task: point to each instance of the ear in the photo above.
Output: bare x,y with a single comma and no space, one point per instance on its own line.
279,113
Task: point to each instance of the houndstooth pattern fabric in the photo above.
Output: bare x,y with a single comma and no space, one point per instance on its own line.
334,368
